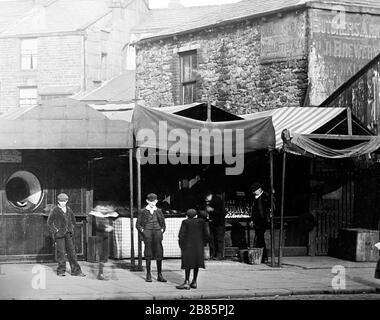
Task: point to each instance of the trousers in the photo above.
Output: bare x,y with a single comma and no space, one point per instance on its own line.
65,246
217,241
153,244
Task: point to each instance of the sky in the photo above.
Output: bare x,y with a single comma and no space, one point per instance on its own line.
164,3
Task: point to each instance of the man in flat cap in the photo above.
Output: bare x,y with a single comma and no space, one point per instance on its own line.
151,225
61,224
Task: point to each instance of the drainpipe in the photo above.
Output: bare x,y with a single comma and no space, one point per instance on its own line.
84,61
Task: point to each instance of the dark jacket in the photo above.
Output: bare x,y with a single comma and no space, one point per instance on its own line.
59,223
142,219
216,217
193,236
261,211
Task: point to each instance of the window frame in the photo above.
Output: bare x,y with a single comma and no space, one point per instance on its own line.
32,56
21,105
192,81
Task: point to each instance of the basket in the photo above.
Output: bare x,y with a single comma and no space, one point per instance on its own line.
255,255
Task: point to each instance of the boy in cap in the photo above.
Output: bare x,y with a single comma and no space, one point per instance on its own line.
151,225
61,224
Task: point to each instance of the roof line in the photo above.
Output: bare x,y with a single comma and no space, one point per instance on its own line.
94,21
321,4
224,22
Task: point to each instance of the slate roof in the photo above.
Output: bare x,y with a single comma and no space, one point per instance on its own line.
120,88
164,22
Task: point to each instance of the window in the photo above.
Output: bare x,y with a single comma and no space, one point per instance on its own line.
46,97
103,66
188,67
29,54
28,97
129,53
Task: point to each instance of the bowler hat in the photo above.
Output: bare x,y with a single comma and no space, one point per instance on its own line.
151,197
255,186
63,196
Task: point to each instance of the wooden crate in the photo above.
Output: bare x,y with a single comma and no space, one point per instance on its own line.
357,244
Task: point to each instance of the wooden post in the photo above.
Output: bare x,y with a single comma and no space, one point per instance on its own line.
138,158
208,109
131,205
349,121
271,208
282,209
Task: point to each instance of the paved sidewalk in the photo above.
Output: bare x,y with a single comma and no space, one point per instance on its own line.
220,280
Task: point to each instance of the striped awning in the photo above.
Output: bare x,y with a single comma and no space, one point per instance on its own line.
301,120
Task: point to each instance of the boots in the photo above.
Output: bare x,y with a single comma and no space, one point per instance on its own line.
160,278
101,272
148,274
193,284
184,285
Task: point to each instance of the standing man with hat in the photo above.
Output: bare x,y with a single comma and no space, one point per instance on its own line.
61,223
260,216
151,225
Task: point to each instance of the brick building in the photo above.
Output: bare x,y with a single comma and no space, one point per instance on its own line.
51,49
250,56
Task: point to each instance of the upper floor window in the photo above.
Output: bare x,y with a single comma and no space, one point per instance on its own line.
129,54
28,97
188,78
29,54
103,66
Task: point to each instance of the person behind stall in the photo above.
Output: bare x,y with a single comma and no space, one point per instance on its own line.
151,225
103,225
61,222
260,216
216,216
193,236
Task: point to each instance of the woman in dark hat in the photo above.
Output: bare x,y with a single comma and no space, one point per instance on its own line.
193,236
151,225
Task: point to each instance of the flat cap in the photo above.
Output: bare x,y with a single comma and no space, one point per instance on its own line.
151,197
63,196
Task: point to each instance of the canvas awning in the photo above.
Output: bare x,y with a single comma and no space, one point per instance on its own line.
176,133
301,120
63,124
303,144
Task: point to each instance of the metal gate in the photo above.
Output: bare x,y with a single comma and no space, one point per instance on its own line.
334,212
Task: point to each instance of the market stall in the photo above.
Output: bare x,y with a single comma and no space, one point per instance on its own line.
45,150
175,147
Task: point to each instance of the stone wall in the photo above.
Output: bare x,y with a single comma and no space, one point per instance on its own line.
230,70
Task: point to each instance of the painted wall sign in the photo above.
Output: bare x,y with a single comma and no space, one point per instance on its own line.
341,44
10,156
283,38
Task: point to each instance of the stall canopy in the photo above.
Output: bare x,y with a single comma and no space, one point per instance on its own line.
251,135
306,120
197,111
62,124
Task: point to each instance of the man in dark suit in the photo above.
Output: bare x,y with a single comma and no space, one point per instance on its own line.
61,224
151,225
214,207
260,216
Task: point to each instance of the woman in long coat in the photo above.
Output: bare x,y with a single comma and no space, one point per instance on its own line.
193,236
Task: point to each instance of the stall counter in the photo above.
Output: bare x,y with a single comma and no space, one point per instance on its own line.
121,238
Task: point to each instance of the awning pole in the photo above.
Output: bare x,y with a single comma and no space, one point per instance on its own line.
138,158
271,208
349,121
282,209
131,205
